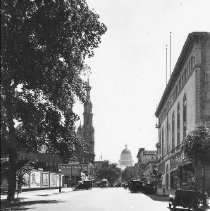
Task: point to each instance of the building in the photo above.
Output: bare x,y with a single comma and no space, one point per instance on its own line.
149,168
86,131
125,158
83,164
184,103
147,162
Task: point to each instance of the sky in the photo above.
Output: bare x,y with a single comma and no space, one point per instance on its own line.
129,68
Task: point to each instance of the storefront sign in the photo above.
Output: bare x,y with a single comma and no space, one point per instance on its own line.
76,170
65,169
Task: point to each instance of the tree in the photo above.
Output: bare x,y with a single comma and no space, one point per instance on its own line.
196,148
44,44
109,171
128,174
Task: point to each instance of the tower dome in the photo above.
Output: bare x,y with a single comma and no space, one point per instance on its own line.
125,158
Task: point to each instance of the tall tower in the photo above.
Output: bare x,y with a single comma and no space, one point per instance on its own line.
88,129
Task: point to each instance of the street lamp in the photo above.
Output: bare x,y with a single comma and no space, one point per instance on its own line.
59,171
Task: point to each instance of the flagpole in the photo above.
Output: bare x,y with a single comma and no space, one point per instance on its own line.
170,53
166,64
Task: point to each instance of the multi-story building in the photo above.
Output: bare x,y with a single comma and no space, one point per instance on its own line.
147,162
184,103
149,168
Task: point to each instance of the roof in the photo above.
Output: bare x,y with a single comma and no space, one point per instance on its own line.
146,152
126,150
194,37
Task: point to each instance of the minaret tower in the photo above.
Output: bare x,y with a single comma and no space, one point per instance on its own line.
88,117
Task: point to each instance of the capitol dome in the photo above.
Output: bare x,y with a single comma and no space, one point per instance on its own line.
125,158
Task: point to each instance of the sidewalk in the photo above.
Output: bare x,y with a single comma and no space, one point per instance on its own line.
167,192
34,193
27,196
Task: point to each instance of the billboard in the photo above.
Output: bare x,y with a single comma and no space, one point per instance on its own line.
35,179
53,180
45,179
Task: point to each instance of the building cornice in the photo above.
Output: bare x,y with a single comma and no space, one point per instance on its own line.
193,38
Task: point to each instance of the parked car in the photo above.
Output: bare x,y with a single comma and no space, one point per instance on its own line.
118,184
149,188
186,199
136,186
85,185
103,183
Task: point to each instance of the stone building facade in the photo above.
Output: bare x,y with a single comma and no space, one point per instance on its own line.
184,103
86,131
147,162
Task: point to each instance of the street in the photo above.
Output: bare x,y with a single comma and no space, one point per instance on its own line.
97,199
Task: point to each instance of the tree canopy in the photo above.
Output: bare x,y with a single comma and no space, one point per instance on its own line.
196,147
196,144
109,171
44,44
128,173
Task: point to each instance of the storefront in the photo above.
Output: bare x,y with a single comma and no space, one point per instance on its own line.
75,172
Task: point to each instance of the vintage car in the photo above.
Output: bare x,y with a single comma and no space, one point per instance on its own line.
85,185
103,183
186,199
136,186
149,188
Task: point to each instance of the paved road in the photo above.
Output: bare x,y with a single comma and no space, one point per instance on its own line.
97,199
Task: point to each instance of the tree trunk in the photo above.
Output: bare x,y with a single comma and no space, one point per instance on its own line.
11,178
12,149
196,180
204,178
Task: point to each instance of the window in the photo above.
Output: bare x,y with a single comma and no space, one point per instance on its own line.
206,77
205,96
178,124
192,62
159,142
162,150
185,74
184,116
167,136
173,130
179,84
187,70
189,67
182,80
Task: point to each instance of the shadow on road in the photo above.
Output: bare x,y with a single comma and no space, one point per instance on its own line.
24,205
158,197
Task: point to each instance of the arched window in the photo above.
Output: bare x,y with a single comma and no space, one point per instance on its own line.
173,130
184,116
167,136
162,142
178,124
